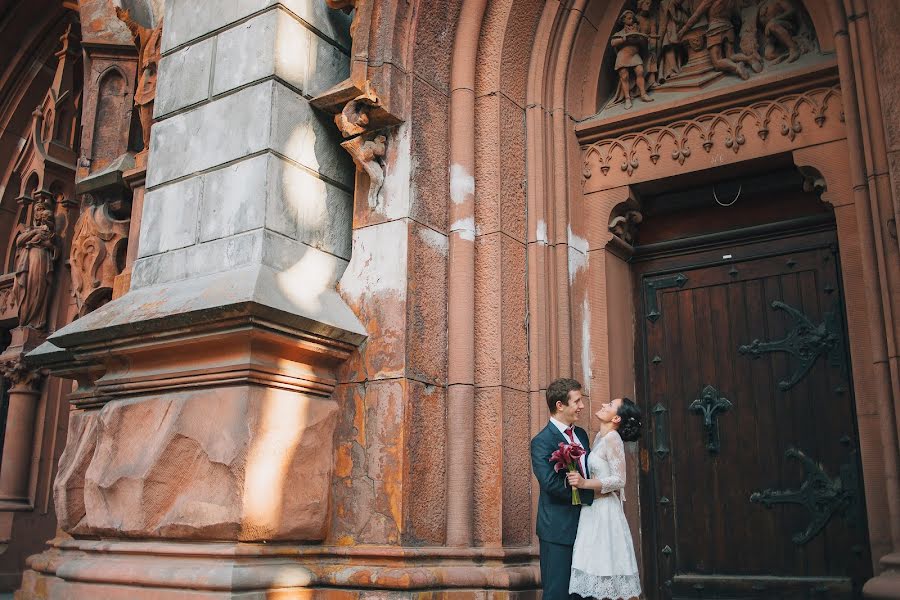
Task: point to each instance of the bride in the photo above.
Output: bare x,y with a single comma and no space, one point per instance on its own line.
603,562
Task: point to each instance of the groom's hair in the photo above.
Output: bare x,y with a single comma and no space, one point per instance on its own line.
558,391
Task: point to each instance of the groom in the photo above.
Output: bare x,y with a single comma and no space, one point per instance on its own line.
557,518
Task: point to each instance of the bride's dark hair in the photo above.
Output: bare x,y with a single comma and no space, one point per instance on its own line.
630,424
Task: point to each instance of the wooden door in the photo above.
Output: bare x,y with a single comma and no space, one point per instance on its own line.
754,482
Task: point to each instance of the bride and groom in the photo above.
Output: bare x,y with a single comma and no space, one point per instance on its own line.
585,550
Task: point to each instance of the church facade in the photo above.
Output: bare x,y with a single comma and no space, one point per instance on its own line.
285,283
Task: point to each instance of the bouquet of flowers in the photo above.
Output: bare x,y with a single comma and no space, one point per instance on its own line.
566,459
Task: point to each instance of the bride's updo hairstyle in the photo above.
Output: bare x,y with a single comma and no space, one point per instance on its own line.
630,424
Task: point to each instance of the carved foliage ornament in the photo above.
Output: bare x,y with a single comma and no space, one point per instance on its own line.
728,128
98,241
19,374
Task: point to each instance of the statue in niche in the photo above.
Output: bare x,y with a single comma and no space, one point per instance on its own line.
631,46
719,35
673,15
148,43
647,24
779,21
36,253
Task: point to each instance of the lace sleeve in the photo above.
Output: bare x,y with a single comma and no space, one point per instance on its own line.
614,452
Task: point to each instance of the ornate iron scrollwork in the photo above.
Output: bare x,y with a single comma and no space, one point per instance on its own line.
651,286
806,342
710,404
822,496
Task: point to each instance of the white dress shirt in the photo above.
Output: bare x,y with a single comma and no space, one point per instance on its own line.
562,429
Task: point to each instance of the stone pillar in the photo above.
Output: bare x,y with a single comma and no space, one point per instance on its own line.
15,472
200,443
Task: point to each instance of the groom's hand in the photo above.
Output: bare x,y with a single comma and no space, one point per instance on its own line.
575,480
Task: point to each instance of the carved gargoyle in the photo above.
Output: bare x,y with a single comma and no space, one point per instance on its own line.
368,155
625,225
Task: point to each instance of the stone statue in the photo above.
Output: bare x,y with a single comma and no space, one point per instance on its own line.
36,253
647,24
779,22
673,16
631,47
148,43
720,35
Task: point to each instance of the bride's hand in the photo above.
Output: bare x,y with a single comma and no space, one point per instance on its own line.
575,479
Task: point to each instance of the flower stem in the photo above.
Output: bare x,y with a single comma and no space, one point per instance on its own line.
576,498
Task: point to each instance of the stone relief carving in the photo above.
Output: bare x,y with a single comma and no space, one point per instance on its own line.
678,45
632,52
728,128
148,43
36,253
97,246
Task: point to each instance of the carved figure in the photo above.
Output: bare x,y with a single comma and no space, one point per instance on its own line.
747,39
629,44
369,157
720,34
96,244
36,253
148,43
779,22
673,15
647,24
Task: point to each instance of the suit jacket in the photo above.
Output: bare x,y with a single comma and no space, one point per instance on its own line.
557,519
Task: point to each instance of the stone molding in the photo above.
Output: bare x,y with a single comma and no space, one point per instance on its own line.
728,130
263,567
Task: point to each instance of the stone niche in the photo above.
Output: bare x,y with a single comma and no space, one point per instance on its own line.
663,51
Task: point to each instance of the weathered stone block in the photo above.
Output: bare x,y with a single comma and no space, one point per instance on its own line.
184,78
272,43
308,208
170,217
234,199
328,65
224,130
187,19
218,464
308,137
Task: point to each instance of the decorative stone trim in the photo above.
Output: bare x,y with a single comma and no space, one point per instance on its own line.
729,128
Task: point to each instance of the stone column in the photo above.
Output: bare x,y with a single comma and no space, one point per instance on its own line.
200,442
15,472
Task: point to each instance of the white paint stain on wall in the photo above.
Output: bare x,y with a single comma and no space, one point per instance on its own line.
378,263
436,240
541,233
586,346
462,184
398,190
465,228
578,255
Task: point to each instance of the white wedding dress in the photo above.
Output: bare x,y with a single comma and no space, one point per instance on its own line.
603,562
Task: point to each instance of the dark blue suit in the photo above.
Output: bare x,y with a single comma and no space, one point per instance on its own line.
557,519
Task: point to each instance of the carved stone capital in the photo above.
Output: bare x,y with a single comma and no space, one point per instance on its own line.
354,118
19,374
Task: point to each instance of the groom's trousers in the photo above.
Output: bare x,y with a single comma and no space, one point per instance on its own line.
556,569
